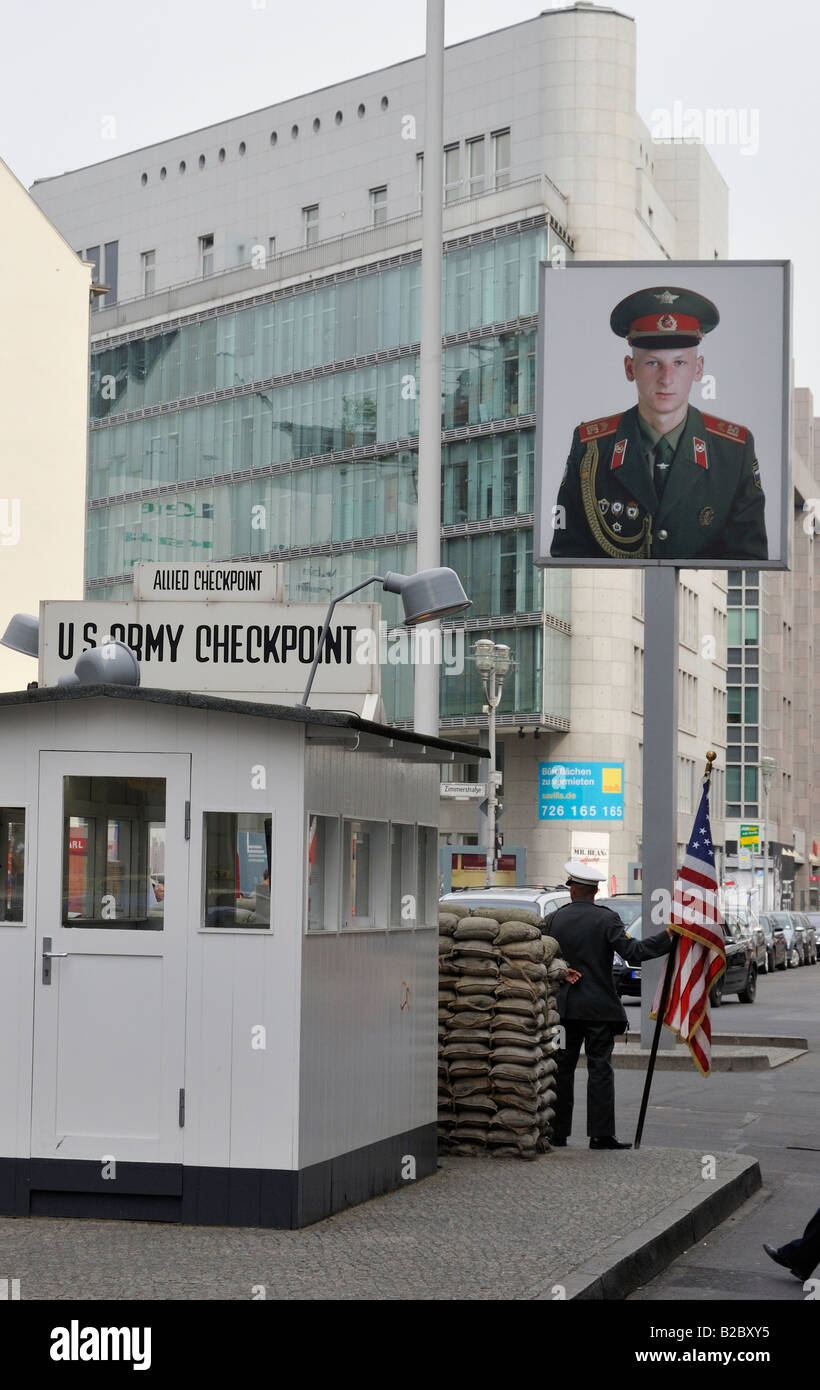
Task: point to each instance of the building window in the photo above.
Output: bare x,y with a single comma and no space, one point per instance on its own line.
112,255
501,158
751,626
475,165
750,784
733,786
12,862
378,205
365,878
206,254
733,706
403,905
452,173
271,246
310,221
427,878
322,895
637,593
637,679
114,853
420,179
237,869
148,266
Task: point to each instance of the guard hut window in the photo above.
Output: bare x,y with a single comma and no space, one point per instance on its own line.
114,853
403,904
427,893
322,873
237,870
365,874
12,862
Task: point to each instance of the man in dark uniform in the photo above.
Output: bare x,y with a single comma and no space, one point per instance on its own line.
590,1009
661,480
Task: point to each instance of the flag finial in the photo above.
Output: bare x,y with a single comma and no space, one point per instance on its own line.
710,758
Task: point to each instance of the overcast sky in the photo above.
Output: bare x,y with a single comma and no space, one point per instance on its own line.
162,67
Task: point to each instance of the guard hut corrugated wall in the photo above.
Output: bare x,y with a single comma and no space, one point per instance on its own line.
181,1039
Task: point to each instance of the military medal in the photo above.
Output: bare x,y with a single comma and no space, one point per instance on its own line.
603,505
632,511
706,516
617,508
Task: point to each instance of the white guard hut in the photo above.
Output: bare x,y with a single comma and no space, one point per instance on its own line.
218,956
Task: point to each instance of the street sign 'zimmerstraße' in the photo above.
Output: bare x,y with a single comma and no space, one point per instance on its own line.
223,580
217,647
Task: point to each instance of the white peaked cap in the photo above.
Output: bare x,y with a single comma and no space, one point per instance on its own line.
583,873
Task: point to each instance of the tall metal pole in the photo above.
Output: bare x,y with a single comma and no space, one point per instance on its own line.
765,894
660,770
491,786
428,545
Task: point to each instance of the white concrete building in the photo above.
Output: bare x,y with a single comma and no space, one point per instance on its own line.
44,292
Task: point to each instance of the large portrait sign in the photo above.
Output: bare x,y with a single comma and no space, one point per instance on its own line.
663,427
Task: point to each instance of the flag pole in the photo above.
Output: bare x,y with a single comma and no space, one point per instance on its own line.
667,984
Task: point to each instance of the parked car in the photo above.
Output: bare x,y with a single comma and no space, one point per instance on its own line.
793,934
813,919
740,976
750,927
542,900
775,940
625,977
808,935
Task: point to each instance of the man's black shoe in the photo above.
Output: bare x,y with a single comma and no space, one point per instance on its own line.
557,1143
608,1142
774,1254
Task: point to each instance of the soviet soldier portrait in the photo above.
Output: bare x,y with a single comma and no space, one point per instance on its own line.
661,480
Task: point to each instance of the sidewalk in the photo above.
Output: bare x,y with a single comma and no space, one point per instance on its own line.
571,1224
730,1052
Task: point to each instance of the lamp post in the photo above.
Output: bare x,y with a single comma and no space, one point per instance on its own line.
493,661
768,767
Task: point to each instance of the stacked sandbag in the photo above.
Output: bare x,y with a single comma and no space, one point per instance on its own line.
497,1023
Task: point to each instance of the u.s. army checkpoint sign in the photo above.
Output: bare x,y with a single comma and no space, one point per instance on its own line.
253,650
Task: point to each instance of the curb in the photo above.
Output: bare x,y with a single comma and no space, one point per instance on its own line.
679,1060
636,1259
740,1039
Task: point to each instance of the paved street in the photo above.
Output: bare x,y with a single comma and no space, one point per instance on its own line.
774,1115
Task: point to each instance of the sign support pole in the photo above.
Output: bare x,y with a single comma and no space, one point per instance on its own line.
660,769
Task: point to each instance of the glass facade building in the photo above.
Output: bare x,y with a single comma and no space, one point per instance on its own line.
285,427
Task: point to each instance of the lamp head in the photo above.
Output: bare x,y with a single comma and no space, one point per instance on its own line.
434,593
22,635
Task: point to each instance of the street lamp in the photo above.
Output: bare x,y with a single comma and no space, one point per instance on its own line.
432,593
768,767
493,661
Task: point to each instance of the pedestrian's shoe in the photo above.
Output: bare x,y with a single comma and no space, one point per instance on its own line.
557,1143
774,1254
608,1141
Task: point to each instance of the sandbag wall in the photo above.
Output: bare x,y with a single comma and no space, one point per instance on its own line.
497,1022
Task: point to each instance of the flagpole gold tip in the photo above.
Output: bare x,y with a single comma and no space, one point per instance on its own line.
710,756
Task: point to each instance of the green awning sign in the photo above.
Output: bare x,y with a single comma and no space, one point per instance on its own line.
750,836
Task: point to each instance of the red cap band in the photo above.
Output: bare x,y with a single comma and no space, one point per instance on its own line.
665,323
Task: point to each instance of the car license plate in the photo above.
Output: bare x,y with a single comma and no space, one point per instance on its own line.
635,974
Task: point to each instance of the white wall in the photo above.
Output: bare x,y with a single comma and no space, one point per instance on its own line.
43,416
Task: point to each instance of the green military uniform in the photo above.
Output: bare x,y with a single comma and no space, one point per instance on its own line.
629,492
711,505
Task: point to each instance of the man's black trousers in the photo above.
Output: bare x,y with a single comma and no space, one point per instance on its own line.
597,1039
804,1253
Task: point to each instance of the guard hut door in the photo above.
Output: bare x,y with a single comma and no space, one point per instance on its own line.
112,891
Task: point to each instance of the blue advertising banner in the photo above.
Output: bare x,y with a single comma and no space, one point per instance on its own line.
581,791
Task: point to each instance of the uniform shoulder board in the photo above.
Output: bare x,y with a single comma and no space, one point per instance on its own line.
725,428
594,429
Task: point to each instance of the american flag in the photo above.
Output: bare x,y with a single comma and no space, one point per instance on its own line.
701,956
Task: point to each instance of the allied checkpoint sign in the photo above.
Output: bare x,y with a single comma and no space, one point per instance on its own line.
255,649
577,790
697,351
